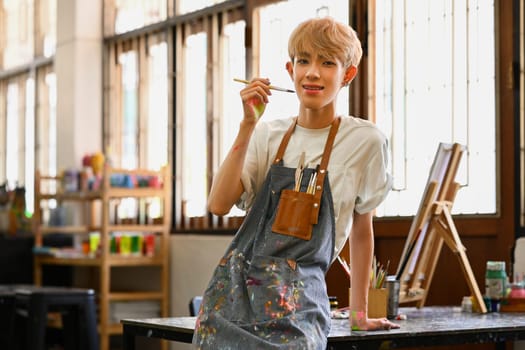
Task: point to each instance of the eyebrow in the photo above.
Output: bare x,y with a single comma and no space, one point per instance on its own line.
304,54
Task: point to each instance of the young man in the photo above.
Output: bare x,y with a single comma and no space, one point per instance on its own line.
307,182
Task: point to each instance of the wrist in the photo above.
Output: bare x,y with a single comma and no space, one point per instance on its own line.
358,320
248,124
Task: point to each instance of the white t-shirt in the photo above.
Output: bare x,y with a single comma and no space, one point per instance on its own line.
357,169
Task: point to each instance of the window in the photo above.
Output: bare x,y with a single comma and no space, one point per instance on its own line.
27,137
127,15
47,32
20,135
13,127
233,64
18,35
157,121
212,54
136,127
46,133
185,6
46,129
29,143
435,82
447,90
194,157
130,124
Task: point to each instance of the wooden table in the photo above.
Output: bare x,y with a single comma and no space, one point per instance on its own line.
428,326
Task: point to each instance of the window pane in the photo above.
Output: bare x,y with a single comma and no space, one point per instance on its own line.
233,66
29,166
52,127
12,139
277,22
194,191
13,136
48,25
157,118
18,33
129,102
435,83
185,6
3,132
133,14
47,129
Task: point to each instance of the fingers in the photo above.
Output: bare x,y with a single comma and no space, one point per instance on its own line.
384,323
374,324
255,97
258,88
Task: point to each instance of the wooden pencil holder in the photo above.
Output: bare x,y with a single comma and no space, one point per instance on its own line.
377,302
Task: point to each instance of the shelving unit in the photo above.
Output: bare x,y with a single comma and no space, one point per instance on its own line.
93,209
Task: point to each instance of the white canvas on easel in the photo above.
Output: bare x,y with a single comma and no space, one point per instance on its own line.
432,226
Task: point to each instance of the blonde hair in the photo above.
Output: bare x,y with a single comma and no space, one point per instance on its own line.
327,36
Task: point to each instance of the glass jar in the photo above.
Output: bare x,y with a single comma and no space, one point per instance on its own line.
495,280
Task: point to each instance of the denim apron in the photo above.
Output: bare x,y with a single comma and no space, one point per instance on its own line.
269,290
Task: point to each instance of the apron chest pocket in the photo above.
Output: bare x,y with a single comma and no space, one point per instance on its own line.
294,214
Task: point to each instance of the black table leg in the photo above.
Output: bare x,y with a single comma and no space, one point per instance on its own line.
128,339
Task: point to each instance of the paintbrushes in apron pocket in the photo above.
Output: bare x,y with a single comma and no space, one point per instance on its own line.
299,173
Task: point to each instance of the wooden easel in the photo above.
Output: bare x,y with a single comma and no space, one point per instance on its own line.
432,226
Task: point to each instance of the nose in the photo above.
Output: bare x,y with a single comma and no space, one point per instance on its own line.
312,72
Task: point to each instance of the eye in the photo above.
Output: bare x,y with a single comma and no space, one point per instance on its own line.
329,63
302,61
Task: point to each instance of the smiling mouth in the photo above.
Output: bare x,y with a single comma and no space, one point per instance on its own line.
312,88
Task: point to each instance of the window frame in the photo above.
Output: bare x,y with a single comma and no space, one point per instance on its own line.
486,225
360,105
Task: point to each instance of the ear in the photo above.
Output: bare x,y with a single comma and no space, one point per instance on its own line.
350,74
289,68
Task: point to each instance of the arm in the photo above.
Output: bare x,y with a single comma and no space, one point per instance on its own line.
227,187
361,255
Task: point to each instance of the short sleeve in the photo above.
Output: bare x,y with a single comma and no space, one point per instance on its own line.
376,181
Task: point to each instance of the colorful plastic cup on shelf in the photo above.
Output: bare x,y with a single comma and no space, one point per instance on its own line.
97,163
149,245
154,182
113,245
85,247
128,182
125,244
94,242
136,245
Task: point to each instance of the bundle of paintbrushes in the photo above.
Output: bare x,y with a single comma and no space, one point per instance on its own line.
344,265
378,274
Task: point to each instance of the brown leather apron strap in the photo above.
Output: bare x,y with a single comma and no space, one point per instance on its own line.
322,167
284,141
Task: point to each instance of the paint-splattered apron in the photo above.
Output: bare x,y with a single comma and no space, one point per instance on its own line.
269,291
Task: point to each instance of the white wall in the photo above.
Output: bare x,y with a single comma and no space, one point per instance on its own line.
192,261
78,68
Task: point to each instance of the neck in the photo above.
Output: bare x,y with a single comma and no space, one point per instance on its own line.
316,119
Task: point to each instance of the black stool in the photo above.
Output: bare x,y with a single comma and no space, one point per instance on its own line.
76,306
7,321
